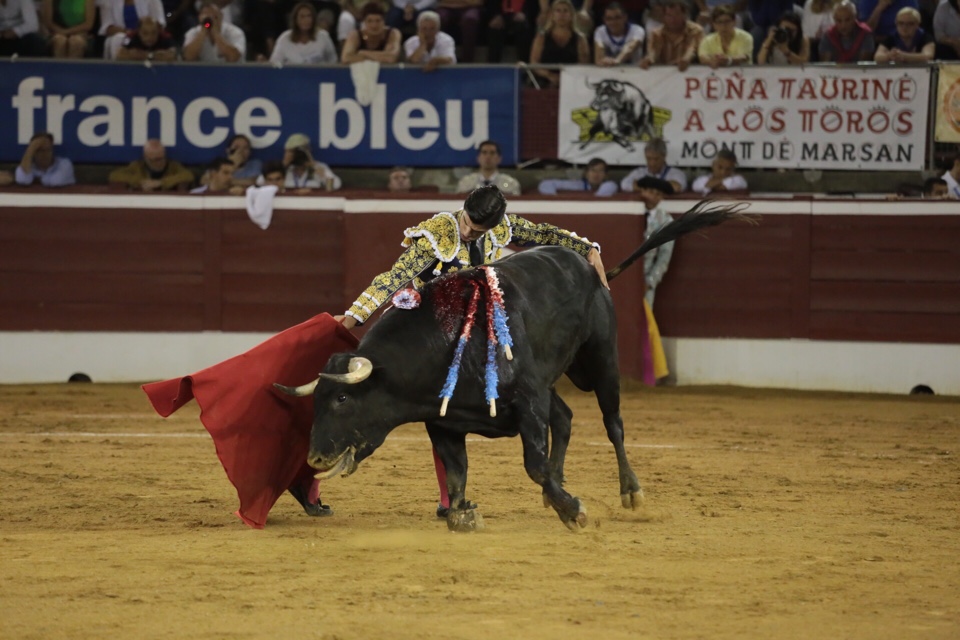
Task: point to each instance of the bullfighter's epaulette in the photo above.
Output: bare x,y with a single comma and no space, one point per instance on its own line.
443,232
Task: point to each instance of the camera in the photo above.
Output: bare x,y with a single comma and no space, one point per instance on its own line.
781,35
207,24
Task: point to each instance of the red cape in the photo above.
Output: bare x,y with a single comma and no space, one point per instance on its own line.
262,435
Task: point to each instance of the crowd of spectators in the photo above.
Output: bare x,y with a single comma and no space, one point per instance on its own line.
435,32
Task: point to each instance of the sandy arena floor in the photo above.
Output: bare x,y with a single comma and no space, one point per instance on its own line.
769,514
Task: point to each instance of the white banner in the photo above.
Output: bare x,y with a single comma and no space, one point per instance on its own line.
948,104
865,118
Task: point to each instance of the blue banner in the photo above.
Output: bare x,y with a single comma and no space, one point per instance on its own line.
101,112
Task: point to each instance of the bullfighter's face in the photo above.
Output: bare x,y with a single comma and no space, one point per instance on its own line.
469,230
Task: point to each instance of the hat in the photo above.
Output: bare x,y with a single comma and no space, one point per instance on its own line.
295,141
651,182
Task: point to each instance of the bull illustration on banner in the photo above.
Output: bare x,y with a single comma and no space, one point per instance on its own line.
619,112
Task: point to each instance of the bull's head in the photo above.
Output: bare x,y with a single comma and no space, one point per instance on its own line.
352,414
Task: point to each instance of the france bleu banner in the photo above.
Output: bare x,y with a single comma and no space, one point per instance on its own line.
101,112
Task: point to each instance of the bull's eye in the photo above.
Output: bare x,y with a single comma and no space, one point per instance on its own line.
341,398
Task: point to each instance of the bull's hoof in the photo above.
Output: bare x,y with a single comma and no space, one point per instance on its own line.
464,520
632,500
442,511
579,522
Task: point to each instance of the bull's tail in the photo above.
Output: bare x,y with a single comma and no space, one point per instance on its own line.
704,214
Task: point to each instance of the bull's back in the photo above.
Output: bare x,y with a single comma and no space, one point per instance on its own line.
555,302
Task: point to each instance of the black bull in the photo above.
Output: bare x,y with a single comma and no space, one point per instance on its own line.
562,321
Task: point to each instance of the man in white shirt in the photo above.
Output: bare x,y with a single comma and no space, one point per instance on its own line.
40,166
219,179
488,159
722,176
952,178
214,40
430,47
617,41
594,181
19,29
656,154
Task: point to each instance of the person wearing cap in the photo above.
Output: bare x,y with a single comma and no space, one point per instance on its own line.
594,181
473,236
652,191
302,170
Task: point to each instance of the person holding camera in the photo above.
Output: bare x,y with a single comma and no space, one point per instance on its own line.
785,43
727,45
214,40
302,171
245,169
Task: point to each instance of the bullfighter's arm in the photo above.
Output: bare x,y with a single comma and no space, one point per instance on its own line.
526,233
418,257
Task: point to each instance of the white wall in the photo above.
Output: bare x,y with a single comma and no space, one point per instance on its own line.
28,357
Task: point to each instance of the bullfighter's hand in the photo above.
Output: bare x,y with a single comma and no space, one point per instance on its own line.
349,322
594,259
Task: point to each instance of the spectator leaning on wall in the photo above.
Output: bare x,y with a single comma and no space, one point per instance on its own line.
153,171
952,178
594,181
39,165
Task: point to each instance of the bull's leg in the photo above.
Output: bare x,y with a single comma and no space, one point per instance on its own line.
560,420
608,397
451,448
533,434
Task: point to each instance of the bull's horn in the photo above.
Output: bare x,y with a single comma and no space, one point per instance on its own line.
359,370
301,391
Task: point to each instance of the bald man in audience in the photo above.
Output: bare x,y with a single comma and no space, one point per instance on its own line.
153,172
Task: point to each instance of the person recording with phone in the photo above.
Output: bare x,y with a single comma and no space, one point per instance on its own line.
785,43
214,40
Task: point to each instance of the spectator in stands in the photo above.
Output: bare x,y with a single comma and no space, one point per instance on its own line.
302,170
348,21
817,18
617,41
655,153
273,174
951,177
488,159
219,179
304,42
786,43
245,169
463,17
722,176
373,40
848,40
153,172
430,47
765,14
594,181
19,30
69,25
214,40
117,17
881,15
403,14
559,42
181,16
909,44
40,165
400,180
727,45
935,189
652,191
509,19
702,11
148,42
946,30
677,41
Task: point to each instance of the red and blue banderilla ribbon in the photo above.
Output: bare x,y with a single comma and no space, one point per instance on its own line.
498,331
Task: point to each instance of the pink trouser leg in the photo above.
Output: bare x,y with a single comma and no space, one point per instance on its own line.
441,480
314,495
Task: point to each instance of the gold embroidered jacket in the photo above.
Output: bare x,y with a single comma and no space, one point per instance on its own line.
433,247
